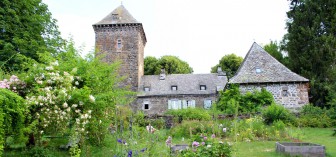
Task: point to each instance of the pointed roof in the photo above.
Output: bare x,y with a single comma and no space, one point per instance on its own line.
120,15
260,67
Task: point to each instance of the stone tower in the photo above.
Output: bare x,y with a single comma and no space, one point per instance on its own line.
120,37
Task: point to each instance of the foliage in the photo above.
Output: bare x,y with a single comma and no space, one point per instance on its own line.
171,64
190,114
276,112
56,102
215,149
232,98
188,128
313,22
312,116
12,116
229,63
274,49
27,29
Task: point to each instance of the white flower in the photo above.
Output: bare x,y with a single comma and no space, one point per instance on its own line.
55,63
100,121
92,99
224,129
209,146
65,105
76,83
68,109
50,68
41,132
39,82
89,111
81,103
74,105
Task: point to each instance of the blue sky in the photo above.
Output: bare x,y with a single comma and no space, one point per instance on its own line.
197,31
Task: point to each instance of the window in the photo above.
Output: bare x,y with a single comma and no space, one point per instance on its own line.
202,87
174,104
188,104
258,70
119,44
173,87
207,103
146,89
146,106
285,93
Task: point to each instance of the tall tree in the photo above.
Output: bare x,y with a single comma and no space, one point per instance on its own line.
311,46
274,49
26,29
171,64
229,63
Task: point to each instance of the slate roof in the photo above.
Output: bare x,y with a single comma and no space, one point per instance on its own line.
271,70
122,16
186,84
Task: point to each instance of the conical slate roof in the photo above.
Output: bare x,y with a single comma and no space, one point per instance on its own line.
119,15
260,67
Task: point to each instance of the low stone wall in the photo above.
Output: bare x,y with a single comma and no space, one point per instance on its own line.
301,149
292,95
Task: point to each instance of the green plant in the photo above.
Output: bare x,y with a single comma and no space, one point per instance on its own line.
12,116
190,114
213,149
277,112
250,102
313,116
189,128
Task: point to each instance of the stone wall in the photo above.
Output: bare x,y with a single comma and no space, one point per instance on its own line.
292,95
159,104
129,52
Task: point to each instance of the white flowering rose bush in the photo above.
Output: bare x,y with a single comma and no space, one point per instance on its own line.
55,101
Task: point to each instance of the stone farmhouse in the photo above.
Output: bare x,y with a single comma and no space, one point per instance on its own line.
260,70
120,37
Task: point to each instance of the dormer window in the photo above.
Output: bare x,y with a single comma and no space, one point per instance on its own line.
258,70
119,44
174,88
202,87
146,89
114,16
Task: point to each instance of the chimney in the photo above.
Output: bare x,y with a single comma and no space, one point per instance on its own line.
162,74
220,72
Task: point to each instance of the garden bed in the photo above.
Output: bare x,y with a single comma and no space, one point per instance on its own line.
300,148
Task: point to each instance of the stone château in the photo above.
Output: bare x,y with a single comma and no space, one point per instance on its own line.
120,37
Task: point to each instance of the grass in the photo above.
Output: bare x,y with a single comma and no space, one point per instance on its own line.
322,136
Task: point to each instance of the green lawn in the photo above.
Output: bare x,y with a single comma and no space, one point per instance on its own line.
322,136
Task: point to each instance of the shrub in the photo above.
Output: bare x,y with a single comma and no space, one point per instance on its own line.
251,102
190,114
213,149
313,116
189,128
276,112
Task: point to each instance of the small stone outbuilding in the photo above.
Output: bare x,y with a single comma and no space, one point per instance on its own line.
260,70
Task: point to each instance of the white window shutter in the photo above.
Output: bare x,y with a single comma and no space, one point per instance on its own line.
193,104
179,104
169,104
184,104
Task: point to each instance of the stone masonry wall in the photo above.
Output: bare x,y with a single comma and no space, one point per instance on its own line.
130,54
292,96
159,104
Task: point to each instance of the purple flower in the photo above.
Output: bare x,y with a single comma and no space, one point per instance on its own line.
205,138
143,150
130,153
203,143
121,141
195,144
213,136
